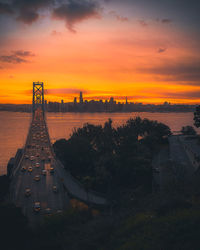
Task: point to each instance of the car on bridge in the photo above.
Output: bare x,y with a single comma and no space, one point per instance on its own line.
55,189
37,206
47,211
30,169
51,170
23,169
32,158
37,164
37,178
27,192
44,172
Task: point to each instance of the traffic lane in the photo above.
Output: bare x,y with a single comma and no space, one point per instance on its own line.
42,192
36,188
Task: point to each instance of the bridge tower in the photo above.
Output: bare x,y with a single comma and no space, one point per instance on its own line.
38,97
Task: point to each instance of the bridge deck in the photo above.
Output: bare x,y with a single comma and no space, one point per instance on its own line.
39,156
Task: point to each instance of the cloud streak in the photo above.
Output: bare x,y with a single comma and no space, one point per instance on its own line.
161,50
118,17
164,20
16,57
184,71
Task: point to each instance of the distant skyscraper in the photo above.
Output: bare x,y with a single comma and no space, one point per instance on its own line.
126,100
62,106
111,101
81,97
75,101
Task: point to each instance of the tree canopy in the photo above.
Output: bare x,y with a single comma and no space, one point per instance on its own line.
188,130
112,158
197,117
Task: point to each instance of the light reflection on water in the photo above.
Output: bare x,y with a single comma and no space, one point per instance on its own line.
14,126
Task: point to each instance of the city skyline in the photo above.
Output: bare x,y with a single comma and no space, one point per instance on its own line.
81,104
147,50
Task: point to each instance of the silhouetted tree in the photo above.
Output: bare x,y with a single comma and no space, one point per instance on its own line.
123,154
4,186
197,117
188,130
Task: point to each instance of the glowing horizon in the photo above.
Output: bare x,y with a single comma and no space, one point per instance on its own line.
108,50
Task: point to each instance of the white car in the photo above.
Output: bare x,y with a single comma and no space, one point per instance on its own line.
37,164
32,158
44,172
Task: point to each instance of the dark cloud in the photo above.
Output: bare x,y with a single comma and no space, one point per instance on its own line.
145,23
118,17
23,53
185,71
164,21
75,11
183,94
71,11
28,16
161,50
12,59
17,57
32,4
28,9
6,8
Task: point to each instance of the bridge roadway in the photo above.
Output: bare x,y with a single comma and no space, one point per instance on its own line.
39,156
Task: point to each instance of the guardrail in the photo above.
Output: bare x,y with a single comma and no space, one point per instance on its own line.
89,193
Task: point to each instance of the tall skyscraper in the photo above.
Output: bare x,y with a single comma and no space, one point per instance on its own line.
81,97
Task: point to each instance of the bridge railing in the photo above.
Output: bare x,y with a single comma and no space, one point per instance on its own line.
16,167
88,192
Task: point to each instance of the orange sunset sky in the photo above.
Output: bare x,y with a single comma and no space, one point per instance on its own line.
145,50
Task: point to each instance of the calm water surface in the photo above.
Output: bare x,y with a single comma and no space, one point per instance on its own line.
14,126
